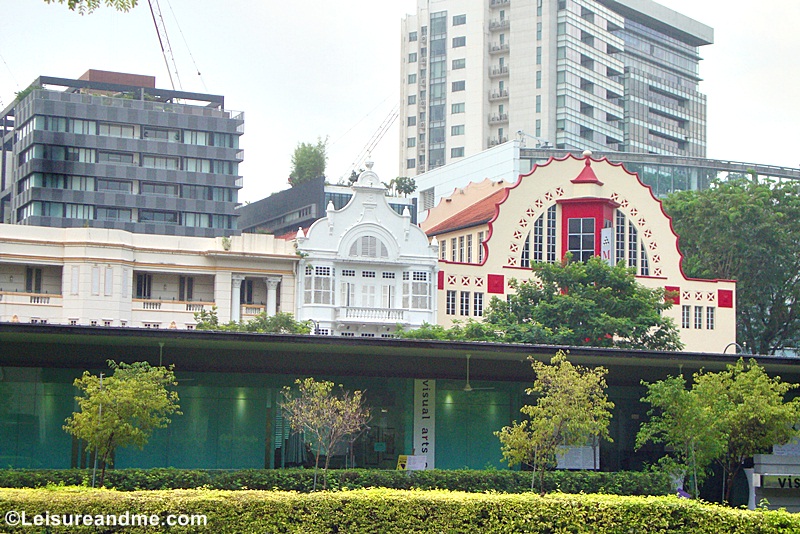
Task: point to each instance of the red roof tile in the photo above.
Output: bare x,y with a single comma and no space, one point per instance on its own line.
479,213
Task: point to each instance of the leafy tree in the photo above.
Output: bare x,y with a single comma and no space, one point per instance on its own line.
469,330
324,417
572,409
404,185
683,422
280,323
308,161
354,176
741,412
87,6
122,409
573,303
748,231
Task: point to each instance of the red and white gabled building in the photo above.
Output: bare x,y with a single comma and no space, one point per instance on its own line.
491,232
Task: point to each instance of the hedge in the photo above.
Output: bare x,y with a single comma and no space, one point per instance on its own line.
400,511
616,483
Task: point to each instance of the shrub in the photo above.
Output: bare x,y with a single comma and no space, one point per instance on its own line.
302,480
390,511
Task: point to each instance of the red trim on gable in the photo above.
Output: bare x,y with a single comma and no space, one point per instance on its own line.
725,298
496,284
440,280
675,299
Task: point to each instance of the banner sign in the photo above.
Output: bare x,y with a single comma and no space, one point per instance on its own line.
425,420
607,245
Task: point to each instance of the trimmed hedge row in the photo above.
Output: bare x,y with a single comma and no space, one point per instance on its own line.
617,483
390,511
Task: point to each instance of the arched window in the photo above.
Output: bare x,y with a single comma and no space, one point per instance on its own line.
369,247
630,250
543,235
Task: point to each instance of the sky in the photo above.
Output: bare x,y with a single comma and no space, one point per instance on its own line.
310,69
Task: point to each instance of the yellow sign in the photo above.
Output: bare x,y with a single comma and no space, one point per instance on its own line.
402,460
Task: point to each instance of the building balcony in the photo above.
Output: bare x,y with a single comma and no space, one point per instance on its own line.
498,118
497,94
494,141
499,25
153,313
30,307
35,299
251,310
501,70
171,306
351,314
498,48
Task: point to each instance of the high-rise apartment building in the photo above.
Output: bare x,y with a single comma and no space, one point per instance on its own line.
617,75
110,150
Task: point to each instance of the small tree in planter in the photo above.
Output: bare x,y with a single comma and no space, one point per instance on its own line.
323,415
123,409
572,408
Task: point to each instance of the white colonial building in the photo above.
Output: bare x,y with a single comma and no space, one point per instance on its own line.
104,277
365,269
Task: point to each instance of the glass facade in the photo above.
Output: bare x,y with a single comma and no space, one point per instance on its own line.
232,421
109,153
663,111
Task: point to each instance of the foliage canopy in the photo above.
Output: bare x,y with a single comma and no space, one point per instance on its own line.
572,303
308,161
571,409
122,409
749,231
280,323
87,6
725,417
325,417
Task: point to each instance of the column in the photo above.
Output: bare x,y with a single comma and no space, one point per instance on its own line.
236,297
272,294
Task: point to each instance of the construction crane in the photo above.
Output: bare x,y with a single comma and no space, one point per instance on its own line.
163,41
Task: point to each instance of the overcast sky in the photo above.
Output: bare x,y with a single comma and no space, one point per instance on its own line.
306,69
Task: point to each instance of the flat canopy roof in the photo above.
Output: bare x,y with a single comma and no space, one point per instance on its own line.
83,347
663,19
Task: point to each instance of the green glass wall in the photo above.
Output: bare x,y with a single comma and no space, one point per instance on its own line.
231,421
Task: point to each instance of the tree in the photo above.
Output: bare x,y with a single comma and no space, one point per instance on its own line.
572,409
741,412
308,161
122,409
280,323
683,422
574,303
748,231
325,418
87,6
404,185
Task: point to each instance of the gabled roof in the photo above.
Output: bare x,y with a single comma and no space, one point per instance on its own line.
478,213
